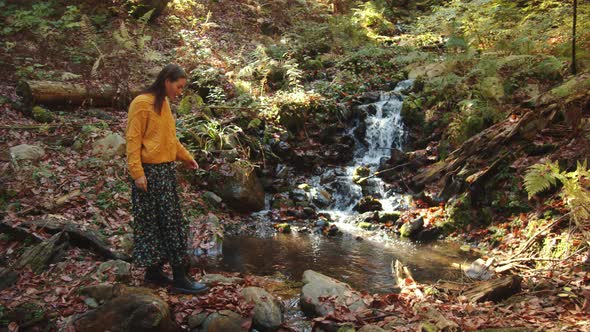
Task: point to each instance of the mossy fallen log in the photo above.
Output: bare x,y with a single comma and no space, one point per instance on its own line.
41,255
494,290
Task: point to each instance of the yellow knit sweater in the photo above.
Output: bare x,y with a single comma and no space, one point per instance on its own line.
151,137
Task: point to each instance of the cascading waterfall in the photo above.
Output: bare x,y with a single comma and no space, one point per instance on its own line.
384,131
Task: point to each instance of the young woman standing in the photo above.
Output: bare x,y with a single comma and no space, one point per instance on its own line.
160,232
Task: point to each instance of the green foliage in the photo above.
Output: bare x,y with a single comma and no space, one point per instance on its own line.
575,190
189,102
473,116
40,19
541,177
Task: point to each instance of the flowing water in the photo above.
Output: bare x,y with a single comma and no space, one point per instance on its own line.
361,258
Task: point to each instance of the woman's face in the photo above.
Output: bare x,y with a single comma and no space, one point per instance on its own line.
174,88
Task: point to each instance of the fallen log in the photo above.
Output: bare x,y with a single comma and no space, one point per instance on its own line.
494,290
87,238
41,255
72,94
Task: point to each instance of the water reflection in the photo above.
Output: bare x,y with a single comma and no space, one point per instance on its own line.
365,265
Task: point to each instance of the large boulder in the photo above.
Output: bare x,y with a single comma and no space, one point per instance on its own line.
319,286
136,309
27,152
267,310
110,146
239,187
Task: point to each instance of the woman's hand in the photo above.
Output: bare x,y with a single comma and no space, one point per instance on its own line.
191,164
141,183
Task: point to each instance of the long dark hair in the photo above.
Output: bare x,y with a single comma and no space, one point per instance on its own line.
170,72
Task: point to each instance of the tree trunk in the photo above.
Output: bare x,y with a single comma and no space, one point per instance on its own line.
71,94
87,239
43,254
494,290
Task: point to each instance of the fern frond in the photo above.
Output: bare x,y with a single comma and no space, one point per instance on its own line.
540,177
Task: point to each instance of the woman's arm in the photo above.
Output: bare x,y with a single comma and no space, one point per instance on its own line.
136,124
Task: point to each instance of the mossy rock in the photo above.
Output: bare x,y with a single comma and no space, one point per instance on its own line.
385,217
43,115
360,175
458,214
365,225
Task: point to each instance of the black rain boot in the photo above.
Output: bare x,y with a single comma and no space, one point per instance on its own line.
154,274
183,284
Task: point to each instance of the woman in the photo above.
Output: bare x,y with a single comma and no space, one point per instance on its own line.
160,233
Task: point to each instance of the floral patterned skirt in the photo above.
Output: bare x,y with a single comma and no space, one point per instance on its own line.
159,229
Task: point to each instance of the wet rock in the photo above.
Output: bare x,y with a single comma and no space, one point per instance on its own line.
411,228
240,188
267,310
318,285
212,279
27,152
305,160
299,195
136,309
110,146
321,198
368,203
370,97
369,217
385,217
308,213
121,270
429,234
360,133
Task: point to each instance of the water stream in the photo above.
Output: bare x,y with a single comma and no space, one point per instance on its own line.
361,258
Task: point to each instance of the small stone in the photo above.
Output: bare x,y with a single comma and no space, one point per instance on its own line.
212,198
212,279
91,302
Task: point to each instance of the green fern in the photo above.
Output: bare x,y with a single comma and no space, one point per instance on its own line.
540,177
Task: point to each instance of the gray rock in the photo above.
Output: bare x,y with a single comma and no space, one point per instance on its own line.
27,152
223,321
368,203
215,279
321,198
299,195
267,310
91,302
108,147
318,285
240,188
121,269
212,198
